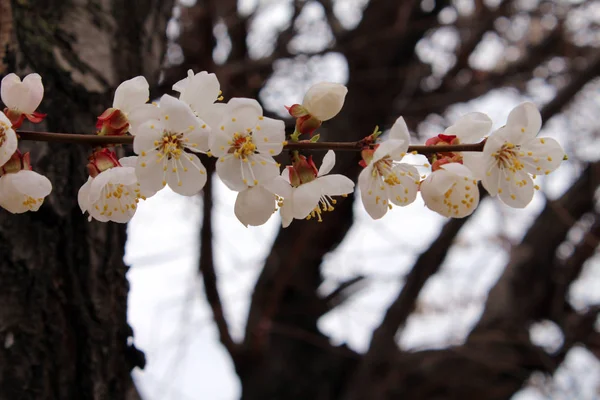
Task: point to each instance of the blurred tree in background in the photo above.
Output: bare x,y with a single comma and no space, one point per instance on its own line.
62,310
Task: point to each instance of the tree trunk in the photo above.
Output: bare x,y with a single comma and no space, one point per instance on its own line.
63,303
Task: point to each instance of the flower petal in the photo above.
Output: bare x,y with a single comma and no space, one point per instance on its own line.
186,175
400,131
229,170
369,194
516,190
269,135
131,94
327,164
470,128
306,199
254,206
279,186
23,96
541,155
200,91
147,136
177,116
325,100
405,192
392,148
150,172
141,115
335,185
83,195
526,120
8,148
241,114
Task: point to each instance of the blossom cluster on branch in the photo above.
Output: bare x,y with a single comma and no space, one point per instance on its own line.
169,136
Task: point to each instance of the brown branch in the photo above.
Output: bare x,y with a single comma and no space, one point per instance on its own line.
207,267
96,140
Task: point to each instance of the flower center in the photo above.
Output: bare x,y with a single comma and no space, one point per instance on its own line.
3,129
32,203
325,204
119,198
171,145
508,157
242,146
383,168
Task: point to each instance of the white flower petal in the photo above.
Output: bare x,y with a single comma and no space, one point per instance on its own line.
9,89
212,115
148,134
526,120
197,138
541,155
177,116
229,170
286,211
516,190
400,131
335,185
259,169
254,206
131,94
219,142
470,128
241,116
306,199
186,176
199,91
327,164
392,148
141,115
405,192
150,173
458,169
130,161
83,195
279,186
269,135
475,161
8,148
370,193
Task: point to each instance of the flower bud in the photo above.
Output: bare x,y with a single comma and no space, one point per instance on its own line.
324,100
112,122
102,160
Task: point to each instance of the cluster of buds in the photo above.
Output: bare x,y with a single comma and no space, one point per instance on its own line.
169,137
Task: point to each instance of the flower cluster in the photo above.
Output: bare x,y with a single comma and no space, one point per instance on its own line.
175,137
21,189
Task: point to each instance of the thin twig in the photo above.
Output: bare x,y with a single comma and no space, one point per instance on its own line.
96,140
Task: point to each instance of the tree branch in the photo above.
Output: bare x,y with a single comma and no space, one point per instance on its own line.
97,140
207,267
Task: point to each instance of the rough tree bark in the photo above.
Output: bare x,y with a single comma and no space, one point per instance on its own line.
63,324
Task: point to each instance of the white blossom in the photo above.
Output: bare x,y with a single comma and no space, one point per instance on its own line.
325,100
451,191
22,97
512,154
161,143
112,195
245,143
311,199
384,181
8,139
23,191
